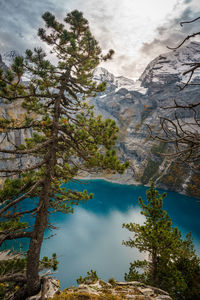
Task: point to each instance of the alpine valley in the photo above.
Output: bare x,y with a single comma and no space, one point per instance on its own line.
134,105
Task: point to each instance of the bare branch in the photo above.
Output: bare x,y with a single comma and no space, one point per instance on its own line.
183,42
189,106
188,22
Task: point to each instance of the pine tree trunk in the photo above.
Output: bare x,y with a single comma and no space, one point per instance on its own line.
154,267
33,285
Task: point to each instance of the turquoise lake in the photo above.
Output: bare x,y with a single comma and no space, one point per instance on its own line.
91,237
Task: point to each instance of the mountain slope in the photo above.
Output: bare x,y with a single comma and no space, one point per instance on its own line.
136,104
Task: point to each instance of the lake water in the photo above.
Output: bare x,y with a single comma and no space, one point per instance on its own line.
91,237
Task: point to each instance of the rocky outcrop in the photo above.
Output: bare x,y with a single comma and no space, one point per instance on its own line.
116,291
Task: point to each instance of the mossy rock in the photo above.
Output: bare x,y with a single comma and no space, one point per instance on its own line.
85,296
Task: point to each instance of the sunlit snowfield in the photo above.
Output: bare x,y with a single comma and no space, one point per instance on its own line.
91,238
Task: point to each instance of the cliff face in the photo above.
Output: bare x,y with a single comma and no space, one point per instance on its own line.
133,105
7,161
16,112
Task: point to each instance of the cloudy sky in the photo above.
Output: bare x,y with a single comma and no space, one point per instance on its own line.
138,30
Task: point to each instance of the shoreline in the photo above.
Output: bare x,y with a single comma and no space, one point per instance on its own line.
118,180
126,180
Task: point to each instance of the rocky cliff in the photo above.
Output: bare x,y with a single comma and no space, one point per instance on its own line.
134,105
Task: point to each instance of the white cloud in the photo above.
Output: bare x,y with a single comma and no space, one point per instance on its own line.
122,25
87,241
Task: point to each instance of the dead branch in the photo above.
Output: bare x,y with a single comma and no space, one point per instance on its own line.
188,22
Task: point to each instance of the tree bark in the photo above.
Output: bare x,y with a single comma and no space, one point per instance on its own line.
33,284
154,267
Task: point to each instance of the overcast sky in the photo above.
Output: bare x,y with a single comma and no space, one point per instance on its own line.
138,30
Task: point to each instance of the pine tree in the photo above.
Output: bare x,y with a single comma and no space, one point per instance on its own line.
172,264
67,137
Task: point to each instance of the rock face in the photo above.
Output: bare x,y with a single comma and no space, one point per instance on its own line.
171,66
134,105
15,111
116,291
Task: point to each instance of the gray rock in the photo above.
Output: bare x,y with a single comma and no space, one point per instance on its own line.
124,290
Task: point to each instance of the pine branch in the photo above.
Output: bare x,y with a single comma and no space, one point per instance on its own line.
20,198
33,150
16,215
14,236
26,96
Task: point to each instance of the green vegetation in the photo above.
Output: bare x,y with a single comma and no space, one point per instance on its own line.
174,177
193,188
152,167
90,278
67,138
112,281
150,170
172,263
85,296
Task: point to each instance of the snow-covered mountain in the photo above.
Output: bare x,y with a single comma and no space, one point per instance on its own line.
171,63
101,74
9,56
134,104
